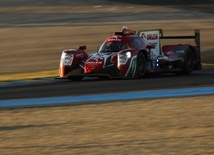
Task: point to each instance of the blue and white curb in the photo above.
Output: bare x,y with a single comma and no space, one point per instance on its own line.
109,97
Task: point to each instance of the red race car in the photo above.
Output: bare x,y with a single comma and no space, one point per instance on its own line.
132,54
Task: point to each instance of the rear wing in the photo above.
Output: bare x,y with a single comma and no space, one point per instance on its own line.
152,37
196,36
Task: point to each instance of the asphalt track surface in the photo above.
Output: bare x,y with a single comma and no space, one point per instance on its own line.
201,78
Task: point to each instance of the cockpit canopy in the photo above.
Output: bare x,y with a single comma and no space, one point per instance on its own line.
125,39
113,46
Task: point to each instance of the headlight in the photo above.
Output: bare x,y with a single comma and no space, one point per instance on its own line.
66,59
123,58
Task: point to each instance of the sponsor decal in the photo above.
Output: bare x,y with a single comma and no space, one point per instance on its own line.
80,55
172,53
179,51
151,38
113,39
94,62
100,59
169,53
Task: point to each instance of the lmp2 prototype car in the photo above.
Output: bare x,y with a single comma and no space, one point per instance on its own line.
132,54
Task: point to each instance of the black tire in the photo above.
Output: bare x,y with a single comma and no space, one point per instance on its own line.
141,65
188,65
75,78
188,62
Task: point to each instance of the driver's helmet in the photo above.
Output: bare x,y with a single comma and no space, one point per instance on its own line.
124,28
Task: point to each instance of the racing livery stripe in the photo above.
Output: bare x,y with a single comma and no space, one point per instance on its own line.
131,70
107,59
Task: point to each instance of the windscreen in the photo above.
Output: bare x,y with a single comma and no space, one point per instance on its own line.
113,46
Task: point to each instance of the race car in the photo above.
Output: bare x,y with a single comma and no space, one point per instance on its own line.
132,54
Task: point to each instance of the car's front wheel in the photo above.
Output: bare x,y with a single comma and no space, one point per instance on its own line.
141,65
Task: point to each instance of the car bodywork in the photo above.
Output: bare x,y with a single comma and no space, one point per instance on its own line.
132,54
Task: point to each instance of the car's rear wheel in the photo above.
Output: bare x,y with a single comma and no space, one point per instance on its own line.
141,65
188,62
188,65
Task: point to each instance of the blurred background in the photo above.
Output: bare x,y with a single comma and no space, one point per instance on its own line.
34,32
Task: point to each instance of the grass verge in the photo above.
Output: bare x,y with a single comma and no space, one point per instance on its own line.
29,75
155,126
